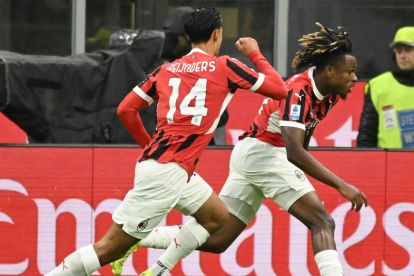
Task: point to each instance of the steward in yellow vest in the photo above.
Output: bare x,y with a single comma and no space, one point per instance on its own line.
387,119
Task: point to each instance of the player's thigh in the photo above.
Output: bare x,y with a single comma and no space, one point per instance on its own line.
195,193
285,183
267,172
157,189
266,167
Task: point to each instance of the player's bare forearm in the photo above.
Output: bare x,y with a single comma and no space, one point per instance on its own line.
306,162
297,154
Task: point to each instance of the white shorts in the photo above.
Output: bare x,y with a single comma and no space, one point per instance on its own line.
159,187
259,170
194,195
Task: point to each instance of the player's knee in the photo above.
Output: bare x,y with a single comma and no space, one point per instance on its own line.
330,222
216,222
326,222
222,218
323,221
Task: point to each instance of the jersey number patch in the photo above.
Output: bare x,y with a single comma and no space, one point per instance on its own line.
198,91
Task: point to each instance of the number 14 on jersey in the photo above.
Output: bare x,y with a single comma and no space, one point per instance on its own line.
198,91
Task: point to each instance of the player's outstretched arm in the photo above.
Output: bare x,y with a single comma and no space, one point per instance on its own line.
273,85
296,153
128,114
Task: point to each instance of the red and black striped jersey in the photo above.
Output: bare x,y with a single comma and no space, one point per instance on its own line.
192,93
303,108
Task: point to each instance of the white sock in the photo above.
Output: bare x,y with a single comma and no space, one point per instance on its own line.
82,262
328,263
160,237
189,238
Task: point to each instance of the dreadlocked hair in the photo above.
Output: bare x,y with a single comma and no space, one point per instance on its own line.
321,48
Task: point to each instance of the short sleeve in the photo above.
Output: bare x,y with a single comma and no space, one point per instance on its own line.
294,110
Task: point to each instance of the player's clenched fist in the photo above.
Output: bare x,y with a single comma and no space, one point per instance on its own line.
246,45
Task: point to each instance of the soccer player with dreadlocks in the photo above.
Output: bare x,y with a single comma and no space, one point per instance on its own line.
270,159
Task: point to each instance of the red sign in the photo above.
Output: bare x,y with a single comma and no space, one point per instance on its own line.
10,133
54,200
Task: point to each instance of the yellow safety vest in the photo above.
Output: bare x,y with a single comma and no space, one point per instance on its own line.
394,103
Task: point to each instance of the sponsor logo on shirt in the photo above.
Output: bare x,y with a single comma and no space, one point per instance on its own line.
295,112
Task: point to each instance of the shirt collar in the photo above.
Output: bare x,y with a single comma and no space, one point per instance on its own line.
318,94
196,50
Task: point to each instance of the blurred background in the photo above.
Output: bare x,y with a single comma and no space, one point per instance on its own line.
65,27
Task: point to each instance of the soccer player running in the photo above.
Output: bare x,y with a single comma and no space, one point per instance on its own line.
192,92
269,160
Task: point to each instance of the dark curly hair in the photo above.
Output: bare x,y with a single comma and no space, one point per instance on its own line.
324,47
201,23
